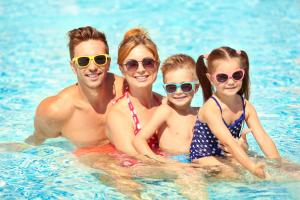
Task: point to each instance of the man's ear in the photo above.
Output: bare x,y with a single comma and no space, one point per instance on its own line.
108,63
74,69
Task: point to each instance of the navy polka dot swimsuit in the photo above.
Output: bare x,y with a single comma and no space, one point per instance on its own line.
204,142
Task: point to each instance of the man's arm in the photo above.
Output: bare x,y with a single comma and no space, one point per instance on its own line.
49,119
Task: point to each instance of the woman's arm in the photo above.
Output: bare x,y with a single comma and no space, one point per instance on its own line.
212,116
263,139
119,130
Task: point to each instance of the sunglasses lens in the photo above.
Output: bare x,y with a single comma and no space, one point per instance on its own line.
171,88
132,65
222,78
148,63
100,59
186,87
83,61
238,75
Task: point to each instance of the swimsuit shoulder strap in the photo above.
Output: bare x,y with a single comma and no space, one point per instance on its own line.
121,97
134,116
244,104
218,104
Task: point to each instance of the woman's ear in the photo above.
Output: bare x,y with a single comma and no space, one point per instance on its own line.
121,69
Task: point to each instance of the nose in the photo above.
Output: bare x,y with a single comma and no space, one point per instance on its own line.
140,68
230,80
92,65
178,90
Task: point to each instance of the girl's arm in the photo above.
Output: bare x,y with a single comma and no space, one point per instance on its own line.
159,117
213,118
263,139
119,130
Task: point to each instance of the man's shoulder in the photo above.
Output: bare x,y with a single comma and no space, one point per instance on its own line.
59,106
115,78
117,81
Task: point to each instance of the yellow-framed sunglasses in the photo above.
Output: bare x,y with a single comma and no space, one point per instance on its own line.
84,61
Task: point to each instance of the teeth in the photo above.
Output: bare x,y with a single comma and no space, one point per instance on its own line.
92,75
141,78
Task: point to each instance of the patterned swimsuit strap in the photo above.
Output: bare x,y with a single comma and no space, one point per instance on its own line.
134,113
218,104
244,105
137,125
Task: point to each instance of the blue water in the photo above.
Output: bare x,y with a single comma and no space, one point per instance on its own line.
34,64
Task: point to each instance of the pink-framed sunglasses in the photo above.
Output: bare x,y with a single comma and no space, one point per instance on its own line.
223,77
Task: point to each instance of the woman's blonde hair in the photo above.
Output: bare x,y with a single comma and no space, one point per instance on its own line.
132,38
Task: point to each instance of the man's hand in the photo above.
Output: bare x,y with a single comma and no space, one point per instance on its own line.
13,146
34,140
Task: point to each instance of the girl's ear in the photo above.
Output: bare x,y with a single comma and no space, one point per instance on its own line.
210,78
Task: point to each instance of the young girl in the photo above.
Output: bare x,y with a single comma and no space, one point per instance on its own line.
225,109
176,118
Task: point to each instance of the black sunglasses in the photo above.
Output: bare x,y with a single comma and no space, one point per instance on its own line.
84,61
148,63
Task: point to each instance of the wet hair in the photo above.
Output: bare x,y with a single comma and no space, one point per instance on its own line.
222,53
178,61
78,35
133,38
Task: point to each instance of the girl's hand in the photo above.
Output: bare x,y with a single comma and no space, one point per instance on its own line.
259,170
162,159
242,142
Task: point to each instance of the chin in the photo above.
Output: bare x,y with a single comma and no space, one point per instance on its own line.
233,93
142,84
182,103
94,84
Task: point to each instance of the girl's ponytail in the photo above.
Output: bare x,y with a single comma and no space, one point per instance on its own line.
245,90
201,71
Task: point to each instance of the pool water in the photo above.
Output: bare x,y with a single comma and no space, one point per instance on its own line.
34,64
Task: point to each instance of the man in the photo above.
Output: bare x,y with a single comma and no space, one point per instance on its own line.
78,112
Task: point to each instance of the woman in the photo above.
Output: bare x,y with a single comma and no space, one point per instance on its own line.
138,61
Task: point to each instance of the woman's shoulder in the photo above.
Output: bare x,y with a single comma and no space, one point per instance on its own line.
119,107
158,97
